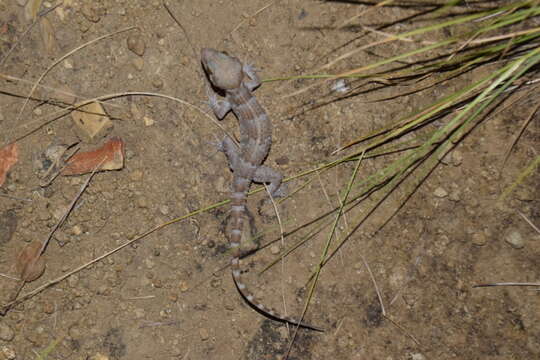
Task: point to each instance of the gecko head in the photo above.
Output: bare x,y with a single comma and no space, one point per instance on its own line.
224,71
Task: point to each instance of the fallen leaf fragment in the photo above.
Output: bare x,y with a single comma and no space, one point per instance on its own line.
9,155
91,122
30,264
110,156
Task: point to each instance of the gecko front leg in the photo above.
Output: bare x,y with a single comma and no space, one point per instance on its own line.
220,107
254,80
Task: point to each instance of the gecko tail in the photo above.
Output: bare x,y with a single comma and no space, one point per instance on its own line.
258,306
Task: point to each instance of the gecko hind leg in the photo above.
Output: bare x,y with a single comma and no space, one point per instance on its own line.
265,174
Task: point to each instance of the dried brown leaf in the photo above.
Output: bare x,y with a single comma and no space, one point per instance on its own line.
30,264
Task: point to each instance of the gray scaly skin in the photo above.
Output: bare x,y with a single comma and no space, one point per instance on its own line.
237,81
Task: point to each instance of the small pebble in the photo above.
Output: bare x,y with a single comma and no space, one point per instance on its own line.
457,158
440,192
6,333
274,249
48,308
164,209
417,356
204,334
157,82
514,238
142,203
68,64
76,230
90,12
148,121
340,86
136,44
183,286
479,239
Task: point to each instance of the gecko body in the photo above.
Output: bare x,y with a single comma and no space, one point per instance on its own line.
237,81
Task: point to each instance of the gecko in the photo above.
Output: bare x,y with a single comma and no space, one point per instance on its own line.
236,81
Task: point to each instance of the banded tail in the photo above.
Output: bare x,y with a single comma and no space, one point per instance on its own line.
239,200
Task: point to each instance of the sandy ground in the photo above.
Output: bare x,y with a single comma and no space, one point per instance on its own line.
170,295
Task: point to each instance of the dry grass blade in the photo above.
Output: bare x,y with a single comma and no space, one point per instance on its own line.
519,133
58,114
325,251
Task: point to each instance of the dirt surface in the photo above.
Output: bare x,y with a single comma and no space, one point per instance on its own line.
170,295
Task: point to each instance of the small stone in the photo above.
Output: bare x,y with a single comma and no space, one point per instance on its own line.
68,64
204,334
138,63
103,290
514,238
76,230
48,308
90,12
157,82
479,239
440,192
142,203
417,356
38,112
183,286
75,332
148,121
6,333
164,209
457,158
136,44
274,249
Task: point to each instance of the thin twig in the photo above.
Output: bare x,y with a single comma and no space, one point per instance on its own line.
276,211
529,221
